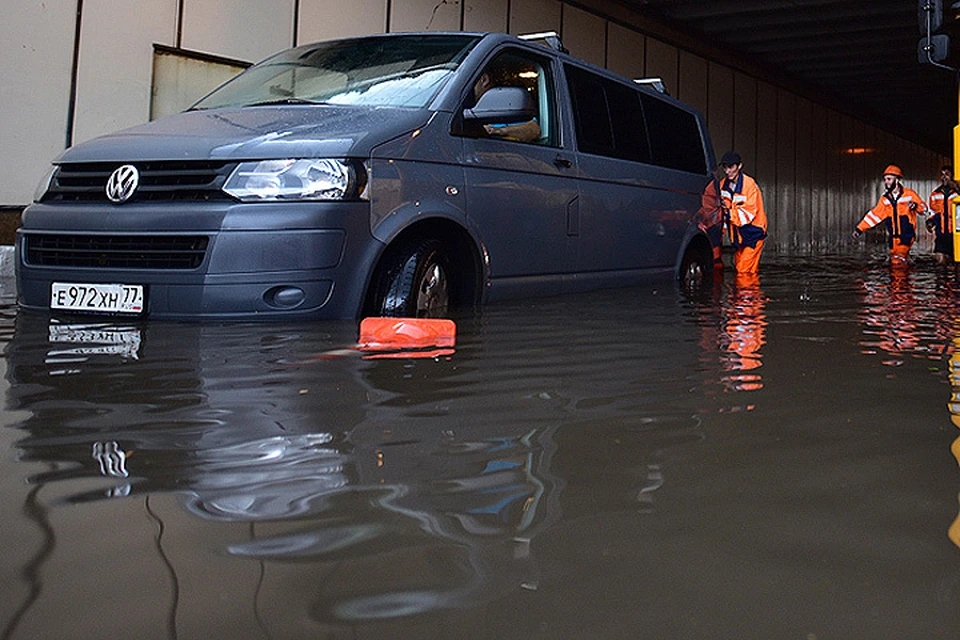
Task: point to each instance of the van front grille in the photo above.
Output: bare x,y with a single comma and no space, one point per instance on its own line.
116,252
159,181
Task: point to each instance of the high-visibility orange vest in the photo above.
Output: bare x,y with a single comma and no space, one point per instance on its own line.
748,219
894,210
938,205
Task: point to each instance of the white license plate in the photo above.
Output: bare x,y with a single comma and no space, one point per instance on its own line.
98,298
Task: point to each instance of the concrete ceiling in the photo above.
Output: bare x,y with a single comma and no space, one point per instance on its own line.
858,55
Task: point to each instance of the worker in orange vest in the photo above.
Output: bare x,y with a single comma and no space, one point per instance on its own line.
940,219
743,214
897,208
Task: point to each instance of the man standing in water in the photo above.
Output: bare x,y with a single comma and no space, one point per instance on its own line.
897,208
940,220
743,213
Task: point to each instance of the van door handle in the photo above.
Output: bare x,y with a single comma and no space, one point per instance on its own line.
562,163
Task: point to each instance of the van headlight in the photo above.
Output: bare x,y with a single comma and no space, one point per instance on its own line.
294,179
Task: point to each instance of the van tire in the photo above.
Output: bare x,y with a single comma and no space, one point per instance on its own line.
415,281
696,270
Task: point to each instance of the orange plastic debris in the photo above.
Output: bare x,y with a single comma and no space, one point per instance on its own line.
377,334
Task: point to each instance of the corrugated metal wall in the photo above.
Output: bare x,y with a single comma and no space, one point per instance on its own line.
819,169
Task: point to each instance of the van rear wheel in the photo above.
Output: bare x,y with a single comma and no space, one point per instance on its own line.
695,271
415,281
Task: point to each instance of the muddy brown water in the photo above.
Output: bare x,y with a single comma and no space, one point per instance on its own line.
771,460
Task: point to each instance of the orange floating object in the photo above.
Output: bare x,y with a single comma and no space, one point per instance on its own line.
378,334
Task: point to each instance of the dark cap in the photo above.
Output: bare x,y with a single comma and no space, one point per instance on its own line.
730,158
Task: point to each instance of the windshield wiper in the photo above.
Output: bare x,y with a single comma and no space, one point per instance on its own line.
281,101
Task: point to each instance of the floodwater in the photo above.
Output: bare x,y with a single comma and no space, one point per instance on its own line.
773,460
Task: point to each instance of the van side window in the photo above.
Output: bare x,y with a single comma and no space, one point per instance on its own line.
609,117
512,98
675,137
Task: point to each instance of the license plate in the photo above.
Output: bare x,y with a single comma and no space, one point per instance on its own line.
97,298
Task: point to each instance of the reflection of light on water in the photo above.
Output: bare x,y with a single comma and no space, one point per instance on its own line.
954,531
113,463
78,343
906,314
744,334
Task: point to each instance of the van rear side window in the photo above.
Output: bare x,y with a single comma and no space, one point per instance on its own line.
675,137
609,117
618,121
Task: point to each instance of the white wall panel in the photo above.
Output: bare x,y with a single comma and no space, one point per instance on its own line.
425,15
241,29
820,220
533,16
692,87
744,119
36,50
720,109
802,205
850,180
662,63
584,35
485,15
325,20
626,53
786,214
116,63
836,217
765,170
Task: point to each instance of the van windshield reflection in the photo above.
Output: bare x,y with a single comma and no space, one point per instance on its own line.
380,71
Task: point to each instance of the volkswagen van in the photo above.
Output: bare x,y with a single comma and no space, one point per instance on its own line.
396,175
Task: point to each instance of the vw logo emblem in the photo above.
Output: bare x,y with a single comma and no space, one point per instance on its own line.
122,183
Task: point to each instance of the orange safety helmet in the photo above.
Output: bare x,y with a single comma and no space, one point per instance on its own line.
893,170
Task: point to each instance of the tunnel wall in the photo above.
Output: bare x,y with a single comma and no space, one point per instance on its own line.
89,67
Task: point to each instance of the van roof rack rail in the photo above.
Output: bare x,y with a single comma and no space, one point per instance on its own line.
550,38
654,83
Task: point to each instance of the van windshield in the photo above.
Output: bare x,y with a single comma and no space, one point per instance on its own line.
397,71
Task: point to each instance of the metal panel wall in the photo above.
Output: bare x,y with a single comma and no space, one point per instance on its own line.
115,66
626,51
179,81
801,209
765,171
241,29
834,208
744,120
424,15
692,84
584,34
819,184
324,20
662,62
36,50
852,179
533,16
720,110
485,15
784,210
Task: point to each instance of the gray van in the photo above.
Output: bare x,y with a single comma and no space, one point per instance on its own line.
397,175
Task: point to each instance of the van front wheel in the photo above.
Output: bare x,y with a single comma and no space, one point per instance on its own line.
415,282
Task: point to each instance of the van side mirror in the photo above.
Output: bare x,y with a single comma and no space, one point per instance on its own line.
501,105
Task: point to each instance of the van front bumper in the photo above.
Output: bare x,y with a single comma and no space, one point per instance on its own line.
259,261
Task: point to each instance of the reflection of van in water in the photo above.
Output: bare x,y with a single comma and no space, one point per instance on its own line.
401,174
